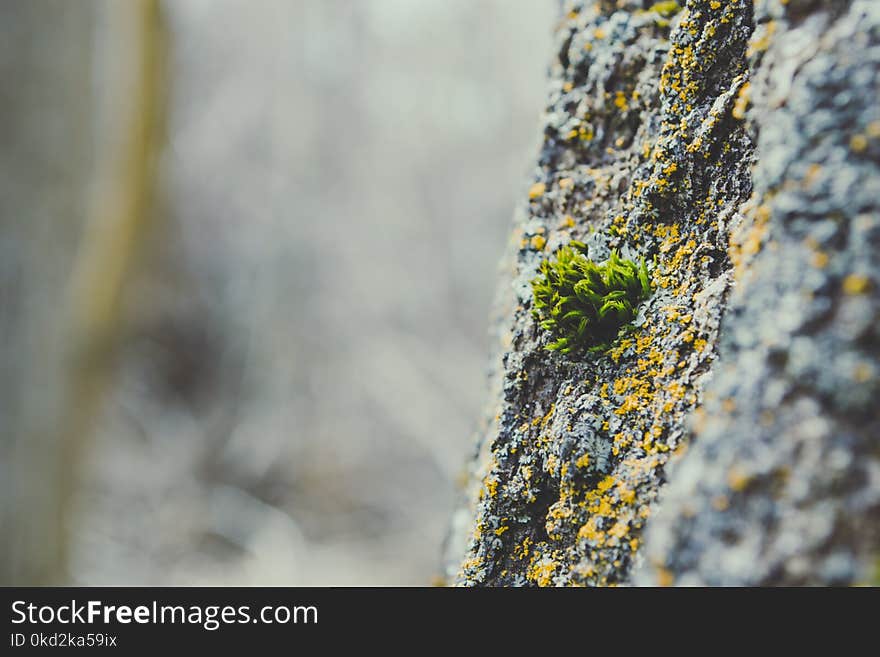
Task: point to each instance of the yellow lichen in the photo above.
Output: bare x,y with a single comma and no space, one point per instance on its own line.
858,143
856,284
737,480
742,101
761,40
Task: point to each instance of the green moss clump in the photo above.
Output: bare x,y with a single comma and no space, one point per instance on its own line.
585,304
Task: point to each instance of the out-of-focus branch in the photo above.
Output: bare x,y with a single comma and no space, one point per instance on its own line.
114,235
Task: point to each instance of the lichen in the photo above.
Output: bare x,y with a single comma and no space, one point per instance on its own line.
580,446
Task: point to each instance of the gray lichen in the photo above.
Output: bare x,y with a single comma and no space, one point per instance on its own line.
782,482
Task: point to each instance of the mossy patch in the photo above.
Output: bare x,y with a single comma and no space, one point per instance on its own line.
584,304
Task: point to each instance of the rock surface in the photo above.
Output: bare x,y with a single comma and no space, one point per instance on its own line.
732,436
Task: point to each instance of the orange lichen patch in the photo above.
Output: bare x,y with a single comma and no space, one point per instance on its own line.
542,569
584,132
617,351
858,143
747,238
665,577
557,515
678,75
589,532
820,259
619,530
585,570
605,484
742,101
583,461
626,495
856,284
567,222
761,40
721,503
737,480
669,236
521,550
618,226
545,419
537,190
637,393
501,530
565,183
863,372
538,242
470,565
814,171
490,486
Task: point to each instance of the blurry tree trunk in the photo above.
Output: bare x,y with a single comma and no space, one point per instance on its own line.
45,164
62,288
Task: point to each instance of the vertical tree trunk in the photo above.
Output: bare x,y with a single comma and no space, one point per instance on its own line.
734,145
45,167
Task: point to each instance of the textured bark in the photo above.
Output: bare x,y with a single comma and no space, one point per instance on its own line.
733,144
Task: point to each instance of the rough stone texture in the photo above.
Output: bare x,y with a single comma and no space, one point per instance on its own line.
734,145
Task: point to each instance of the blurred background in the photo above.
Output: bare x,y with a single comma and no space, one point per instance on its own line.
247,251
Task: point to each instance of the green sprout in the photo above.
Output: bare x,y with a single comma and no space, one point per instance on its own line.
585,304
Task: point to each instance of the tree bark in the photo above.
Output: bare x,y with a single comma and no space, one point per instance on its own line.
731,437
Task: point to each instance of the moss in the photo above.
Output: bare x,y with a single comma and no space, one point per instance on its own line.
576,485
585,304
